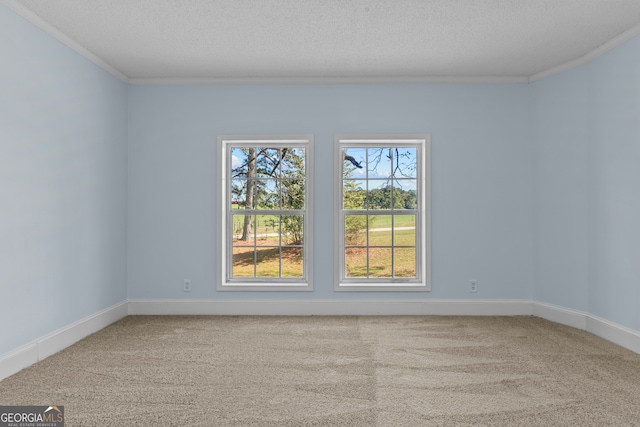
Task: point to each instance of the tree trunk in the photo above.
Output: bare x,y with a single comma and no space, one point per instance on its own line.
251,189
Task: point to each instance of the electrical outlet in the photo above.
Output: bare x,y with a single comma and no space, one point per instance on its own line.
187,285
473,286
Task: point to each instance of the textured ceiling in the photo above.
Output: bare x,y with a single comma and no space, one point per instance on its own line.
335,39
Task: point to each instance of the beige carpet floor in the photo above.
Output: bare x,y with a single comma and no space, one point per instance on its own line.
336,371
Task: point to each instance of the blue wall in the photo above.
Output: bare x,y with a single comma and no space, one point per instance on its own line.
481,179
586,139
560,137
62,184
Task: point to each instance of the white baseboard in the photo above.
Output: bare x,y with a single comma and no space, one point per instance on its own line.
18,359
35,351
617,334
564,316
610,331
331,307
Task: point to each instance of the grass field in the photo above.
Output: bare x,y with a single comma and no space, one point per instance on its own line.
265,255
269,262
380,265
384,221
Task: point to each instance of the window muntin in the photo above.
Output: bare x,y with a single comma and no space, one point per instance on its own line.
382,226
266,218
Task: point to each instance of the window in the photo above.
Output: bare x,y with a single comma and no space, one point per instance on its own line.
266,217
382,229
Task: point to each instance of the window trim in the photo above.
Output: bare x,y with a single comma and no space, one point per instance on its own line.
224,247
423,265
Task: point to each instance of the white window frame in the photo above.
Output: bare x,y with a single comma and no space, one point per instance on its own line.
423,224
224,281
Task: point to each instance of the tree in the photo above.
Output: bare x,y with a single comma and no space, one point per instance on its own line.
353,198
380,198
293,194
273,178
251,188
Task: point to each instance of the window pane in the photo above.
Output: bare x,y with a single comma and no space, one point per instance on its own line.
356,262
404,262
354,194
292,262
379,163
380,261
268,162
354,162
380,230
404,230
404,194
266,194
239,162
243,234
355,230
293,193
292,229
405,163
239,193
268,230
242,262
379,195
292,165
267,262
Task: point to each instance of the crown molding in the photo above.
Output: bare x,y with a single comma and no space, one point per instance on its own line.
328,80
599,51
63,38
